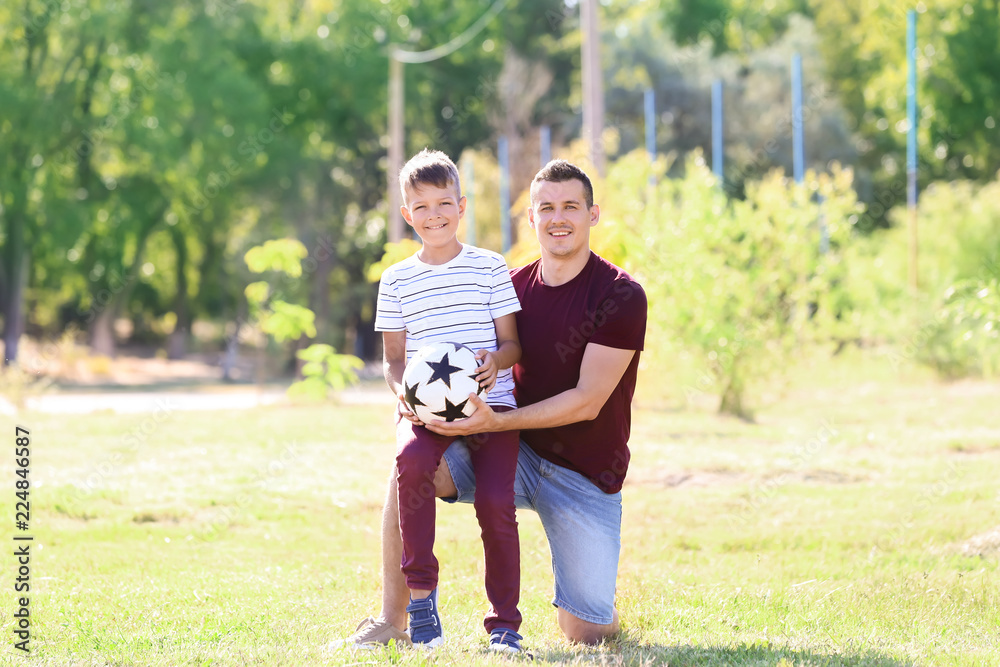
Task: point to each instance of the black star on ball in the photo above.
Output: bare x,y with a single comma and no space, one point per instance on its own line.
442,370
451,411
479,388
410,395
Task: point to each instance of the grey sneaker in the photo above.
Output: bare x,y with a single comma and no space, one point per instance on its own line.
375,633
425,622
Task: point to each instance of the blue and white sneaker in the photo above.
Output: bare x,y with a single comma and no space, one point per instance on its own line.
503,640
425,622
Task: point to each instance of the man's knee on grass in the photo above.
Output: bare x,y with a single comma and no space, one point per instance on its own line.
580,631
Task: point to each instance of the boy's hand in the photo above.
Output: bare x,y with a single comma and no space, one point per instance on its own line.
405,412
488,369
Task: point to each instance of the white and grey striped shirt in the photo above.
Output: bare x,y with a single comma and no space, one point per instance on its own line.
454,302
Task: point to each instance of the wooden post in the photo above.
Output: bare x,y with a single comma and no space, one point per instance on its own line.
593,86
394,220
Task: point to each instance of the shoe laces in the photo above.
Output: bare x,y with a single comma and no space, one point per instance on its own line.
368,629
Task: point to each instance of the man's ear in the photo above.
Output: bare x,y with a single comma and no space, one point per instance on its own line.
595,215
531,217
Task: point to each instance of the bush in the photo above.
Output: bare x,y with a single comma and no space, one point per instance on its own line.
324,370
964,340
736,285
946,323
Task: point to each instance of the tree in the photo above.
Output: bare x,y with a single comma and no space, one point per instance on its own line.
50,66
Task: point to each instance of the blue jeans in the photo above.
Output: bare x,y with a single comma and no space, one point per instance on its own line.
581,522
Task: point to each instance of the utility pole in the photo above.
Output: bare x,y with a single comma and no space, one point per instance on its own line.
593,86
911,145
397,56
395,223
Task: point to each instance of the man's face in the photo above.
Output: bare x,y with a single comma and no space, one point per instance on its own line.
433,212
561,219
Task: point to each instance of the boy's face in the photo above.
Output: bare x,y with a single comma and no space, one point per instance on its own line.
433,212
561,219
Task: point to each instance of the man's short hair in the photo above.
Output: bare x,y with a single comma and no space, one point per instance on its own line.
559,171
429,168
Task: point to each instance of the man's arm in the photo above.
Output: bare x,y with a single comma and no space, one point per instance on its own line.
600,372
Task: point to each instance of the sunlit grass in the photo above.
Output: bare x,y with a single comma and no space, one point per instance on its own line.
828,532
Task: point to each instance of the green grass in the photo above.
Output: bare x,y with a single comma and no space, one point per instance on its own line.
829,532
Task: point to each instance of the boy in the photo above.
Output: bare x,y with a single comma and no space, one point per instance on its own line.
450,292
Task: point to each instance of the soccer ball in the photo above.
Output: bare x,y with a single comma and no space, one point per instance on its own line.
438,380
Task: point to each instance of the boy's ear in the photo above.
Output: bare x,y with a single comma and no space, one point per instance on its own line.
405,212
461,206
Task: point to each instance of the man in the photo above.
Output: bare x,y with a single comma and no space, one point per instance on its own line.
581,329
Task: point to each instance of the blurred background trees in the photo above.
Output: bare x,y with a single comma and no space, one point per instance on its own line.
146,146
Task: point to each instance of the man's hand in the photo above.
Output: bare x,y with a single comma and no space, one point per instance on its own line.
488,369
483,420
404,411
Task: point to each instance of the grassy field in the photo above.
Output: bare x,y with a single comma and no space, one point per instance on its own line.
838,529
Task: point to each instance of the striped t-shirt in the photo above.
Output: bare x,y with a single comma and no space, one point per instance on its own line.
454,302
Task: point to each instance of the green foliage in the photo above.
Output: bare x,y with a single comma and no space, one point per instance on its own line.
958,231
864,50
692,22
257,293
288,321
757,96
282,255
281,320
735,285
946,324
964,339
393,253
17,385
144,146
324,371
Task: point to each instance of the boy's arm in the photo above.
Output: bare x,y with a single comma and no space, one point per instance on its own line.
394,359
393,365
507,354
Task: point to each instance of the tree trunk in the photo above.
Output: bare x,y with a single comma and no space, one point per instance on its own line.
101,331
16,264
177,339
102,334
323,253
231,356
14,315
733,395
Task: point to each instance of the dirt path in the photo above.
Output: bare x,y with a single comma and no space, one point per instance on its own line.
132,384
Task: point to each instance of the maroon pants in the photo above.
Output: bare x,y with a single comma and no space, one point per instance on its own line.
494,457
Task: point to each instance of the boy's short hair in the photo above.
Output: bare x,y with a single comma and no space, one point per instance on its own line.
429,167
559,171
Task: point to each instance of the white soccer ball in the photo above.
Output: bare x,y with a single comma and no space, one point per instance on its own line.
438,380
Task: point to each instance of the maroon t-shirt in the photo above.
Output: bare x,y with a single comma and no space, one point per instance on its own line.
601,305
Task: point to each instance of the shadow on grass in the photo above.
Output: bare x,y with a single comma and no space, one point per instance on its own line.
627,652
